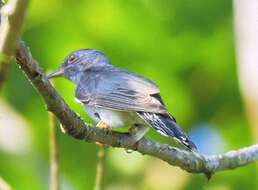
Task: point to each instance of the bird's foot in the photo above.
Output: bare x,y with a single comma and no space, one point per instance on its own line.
137,132
99,144
102,125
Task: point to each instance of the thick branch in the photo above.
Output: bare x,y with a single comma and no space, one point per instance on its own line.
75,127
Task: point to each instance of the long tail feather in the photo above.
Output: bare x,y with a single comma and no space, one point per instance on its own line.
167,126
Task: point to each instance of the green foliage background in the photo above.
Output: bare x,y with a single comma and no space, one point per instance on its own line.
186,47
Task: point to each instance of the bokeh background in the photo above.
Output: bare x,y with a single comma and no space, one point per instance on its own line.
186,47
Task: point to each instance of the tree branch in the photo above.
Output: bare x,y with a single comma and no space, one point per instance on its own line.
99,179
12,17
75,127
13,14
53,146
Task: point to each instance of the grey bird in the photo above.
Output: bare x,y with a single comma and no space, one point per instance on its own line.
117,98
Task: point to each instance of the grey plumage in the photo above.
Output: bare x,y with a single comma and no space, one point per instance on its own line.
118,97
116,89
167,126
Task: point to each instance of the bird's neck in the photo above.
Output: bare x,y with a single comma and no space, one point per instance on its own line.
76,77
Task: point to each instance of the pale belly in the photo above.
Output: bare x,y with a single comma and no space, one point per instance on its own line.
113,118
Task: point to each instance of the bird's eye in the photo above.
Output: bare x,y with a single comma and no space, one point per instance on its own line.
71,59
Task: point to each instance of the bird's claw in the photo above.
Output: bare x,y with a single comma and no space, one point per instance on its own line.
102,125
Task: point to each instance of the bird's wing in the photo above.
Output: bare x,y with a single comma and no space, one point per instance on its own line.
120,90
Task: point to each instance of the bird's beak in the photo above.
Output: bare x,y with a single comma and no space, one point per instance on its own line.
59,72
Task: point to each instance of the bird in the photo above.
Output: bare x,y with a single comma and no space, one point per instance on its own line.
114,97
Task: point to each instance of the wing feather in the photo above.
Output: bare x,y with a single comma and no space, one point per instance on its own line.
119,90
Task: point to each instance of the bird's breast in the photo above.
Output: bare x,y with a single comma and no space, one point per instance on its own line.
112,118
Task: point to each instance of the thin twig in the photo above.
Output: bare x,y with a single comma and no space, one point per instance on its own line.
54,166
100,168
6,27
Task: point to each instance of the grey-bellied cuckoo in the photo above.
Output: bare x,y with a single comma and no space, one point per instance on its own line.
117,98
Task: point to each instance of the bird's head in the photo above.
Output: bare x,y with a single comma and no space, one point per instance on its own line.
78,62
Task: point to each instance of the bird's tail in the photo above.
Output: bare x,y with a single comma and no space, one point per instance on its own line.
167,126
